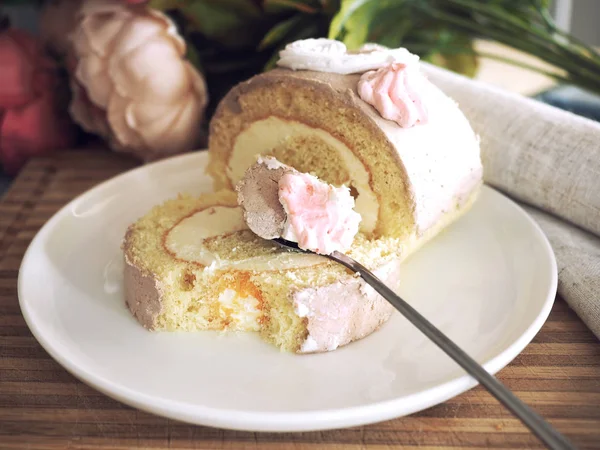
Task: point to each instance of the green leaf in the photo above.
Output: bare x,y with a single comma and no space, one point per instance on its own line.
305,29
464,63
358,25
163,5
243,8
391,24
233,23
279,31
347,9
456,53
273,59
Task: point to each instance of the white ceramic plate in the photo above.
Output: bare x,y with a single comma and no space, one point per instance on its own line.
488,281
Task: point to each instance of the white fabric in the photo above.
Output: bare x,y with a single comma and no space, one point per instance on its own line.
547,158
578,258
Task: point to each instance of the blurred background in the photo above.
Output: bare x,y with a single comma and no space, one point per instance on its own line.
227,41
580,17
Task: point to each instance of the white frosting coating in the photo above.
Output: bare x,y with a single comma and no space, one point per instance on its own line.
441,158
301,310
328,55
300,301
309,345
344,311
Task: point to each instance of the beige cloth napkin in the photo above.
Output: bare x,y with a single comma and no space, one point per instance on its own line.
549,159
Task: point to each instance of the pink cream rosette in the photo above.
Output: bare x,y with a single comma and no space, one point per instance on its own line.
321,217
395,91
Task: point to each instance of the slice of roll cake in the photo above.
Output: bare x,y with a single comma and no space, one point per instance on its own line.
416,168
192,264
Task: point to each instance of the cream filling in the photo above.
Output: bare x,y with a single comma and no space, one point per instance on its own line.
247,315
186,241
262,136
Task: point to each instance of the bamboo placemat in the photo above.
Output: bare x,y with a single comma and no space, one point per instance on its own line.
43,407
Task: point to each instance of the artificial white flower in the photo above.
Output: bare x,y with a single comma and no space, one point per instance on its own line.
132,84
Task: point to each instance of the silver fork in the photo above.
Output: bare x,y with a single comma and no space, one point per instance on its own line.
542,429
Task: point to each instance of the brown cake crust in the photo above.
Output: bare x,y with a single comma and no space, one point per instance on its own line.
258,195
142,295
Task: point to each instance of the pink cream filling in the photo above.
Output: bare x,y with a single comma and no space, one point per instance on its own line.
394,91
320,217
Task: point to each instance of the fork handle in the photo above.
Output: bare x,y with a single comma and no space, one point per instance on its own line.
542,429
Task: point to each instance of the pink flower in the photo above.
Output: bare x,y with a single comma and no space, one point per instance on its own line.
30,122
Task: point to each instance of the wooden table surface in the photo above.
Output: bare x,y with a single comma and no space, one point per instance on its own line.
43,407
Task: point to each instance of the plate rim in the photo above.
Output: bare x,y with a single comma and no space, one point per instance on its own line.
258,421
